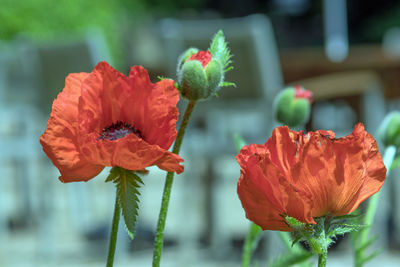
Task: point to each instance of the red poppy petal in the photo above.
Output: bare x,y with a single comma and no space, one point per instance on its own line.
284,148
248,151
170,163
130,152
258,208
374,171
334,171
101,101
153,107
59,141
276,191
315,173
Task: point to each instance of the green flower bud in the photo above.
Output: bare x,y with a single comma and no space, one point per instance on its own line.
389,131
193,81
185,56
292,106
201,73
199,76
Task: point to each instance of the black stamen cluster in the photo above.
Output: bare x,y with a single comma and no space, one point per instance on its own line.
118,126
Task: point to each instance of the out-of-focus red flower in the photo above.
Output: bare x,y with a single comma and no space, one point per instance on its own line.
105,118
300,92
307,176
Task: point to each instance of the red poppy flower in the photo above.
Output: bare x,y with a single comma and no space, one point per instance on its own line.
104,118
307,176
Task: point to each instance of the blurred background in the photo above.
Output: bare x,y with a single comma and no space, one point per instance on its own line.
346,52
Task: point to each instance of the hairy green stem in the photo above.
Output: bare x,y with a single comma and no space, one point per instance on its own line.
388,157
322,259
114,233
159,239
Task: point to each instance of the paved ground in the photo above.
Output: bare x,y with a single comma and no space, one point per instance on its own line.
22,249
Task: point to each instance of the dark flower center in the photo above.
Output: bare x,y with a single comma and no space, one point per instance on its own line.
118,130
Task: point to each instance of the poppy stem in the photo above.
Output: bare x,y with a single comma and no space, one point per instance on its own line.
322,259
388,158
114,232
250,243
159,239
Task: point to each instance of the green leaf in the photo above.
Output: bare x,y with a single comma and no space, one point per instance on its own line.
290,258
227,84
366,244
128,184
343,228
294,223
371,256
395,163
250,243
295,240
219,50
351,217
239,142
114,173
163,78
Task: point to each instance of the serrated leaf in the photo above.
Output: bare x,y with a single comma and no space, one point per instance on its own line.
349,217
295,240
343,229
290,258
294,223
219,50
128,196
114,173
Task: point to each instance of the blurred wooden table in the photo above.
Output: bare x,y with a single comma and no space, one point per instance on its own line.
305,63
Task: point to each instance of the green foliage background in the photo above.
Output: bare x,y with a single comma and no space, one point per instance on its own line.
49,20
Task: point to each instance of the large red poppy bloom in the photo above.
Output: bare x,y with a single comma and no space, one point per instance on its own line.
104,118
307,176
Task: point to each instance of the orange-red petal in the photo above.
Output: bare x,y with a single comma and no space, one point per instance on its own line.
307,176
108,97
153,107
59,141
130,152
266,192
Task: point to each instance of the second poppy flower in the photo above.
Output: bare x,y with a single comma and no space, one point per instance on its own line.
308,176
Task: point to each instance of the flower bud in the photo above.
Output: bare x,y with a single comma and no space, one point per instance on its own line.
199,76
292,106
389,131
201,73
185,56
